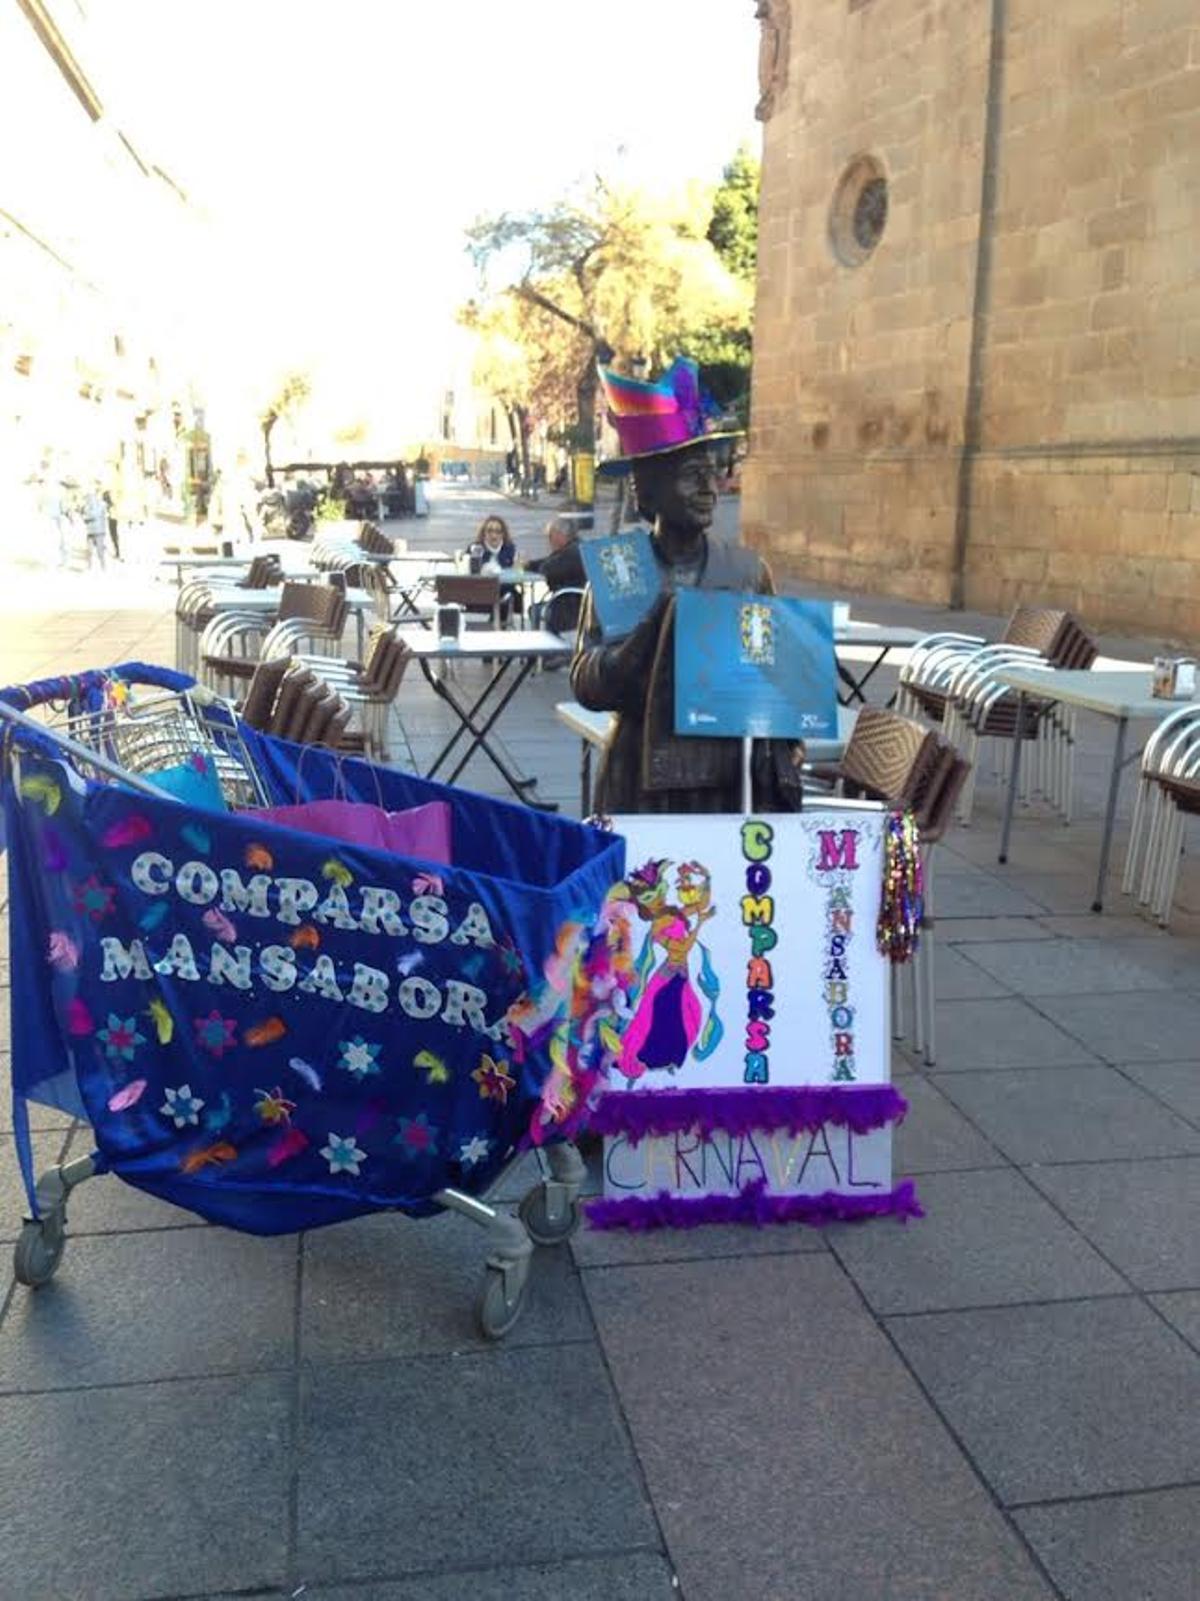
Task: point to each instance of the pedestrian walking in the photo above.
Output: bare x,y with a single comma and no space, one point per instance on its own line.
110,515
95,522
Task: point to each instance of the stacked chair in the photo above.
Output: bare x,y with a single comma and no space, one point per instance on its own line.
287,699
1168,794
195,604
369,687
335,543
311,617
893,759
950,680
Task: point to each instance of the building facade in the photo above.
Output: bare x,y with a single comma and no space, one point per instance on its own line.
98,372
977,337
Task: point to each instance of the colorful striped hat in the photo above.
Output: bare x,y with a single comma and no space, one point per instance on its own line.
654,418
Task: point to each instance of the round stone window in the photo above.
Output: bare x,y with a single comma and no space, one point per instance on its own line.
858,214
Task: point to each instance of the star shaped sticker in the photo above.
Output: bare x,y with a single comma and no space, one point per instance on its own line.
494,1080
474,1150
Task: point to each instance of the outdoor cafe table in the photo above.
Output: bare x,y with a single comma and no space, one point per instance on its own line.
595,730
882,638
1121,695
513,653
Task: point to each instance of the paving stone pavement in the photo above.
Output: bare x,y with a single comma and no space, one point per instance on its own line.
998,1403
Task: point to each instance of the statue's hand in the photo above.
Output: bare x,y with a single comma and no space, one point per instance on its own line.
641,644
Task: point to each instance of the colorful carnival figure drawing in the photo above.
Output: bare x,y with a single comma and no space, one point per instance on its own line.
671,1015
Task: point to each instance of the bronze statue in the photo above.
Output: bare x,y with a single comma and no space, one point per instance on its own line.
647,766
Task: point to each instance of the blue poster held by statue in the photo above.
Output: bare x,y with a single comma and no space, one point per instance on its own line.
754,666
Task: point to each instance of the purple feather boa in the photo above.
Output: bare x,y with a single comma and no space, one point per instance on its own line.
752,1206
801,1108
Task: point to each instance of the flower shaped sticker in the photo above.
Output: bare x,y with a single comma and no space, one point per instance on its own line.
93,899
181,1106
474,1150
511,961
359,1056
121,1038
342,1154
417,1137
494,1080
273,1106
215,1034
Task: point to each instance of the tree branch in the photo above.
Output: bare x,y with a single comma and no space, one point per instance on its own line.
536,298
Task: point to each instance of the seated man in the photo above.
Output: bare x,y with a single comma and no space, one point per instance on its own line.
561,569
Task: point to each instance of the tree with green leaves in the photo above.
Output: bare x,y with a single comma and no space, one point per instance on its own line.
608,270
733,230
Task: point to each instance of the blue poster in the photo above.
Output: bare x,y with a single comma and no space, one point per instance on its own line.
624,577
757,665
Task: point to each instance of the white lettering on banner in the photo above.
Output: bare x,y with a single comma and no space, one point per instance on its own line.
120,963
373,908
227,966
239,897
278,964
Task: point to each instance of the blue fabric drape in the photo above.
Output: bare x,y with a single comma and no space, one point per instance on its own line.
272,1028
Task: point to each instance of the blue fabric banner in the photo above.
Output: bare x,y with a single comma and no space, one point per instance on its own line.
271,1027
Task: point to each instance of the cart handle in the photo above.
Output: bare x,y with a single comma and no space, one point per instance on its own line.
55,745
70,685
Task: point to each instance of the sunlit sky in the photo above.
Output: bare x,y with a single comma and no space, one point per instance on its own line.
342,146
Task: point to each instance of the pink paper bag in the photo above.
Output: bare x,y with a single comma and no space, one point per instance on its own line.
422,831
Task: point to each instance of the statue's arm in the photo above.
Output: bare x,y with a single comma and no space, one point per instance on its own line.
613,677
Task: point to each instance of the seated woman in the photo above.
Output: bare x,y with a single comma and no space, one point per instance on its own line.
492,547
493,551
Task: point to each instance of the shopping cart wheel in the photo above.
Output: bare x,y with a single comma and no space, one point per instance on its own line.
549,1220
502,1298
39,1249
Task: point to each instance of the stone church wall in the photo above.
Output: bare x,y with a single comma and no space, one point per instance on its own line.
1001,400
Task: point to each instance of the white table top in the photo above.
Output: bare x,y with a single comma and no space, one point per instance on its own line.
597,727
521,643
1124,693
267,600
881,634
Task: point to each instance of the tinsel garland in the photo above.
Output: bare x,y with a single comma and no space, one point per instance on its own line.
800,1108
753,1205
902,904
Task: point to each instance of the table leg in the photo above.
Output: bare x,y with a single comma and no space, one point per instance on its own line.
1110,811
1013,777
479,733
585,778
857,686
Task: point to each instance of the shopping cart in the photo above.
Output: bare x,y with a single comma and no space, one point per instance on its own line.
272,1027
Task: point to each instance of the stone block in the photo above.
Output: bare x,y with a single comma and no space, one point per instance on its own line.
118,1492
1084,1398
976,1035
1140,1214
888,1506
631,1576
1119,223
131,1308
1144,1545
986,1238
463,1452
1069,1114
391,1286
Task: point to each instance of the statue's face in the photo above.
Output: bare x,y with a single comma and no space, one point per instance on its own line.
684,492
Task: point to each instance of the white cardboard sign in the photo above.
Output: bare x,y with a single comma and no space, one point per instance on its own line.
756,964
